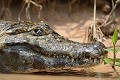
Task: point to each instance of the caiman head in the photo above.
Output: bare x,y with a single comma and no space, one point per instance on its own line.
29,47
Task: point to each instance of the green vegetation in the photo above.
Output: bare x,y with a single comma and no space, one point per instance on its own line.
113,61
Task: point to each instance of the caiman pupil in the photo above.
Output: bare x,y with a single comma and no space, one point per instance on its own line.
37,32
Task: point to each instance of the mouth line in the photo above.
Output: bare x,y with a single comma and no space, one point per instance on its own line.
84,58
79,62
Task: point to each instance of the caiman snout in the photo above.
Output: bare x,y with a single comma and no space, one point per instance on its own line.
93,53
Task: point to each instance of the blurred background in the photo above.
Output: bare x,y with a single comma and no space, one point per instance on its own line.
69,18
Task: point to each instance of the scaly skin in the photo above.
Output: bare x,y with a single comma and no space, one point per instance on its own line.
31,47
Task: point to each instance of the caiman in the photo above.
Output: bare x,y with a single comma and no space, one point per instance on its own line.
27,46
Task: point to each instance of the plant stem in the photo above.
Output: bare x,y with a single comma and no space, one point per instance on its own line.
114,60
116,71
94,27
114,57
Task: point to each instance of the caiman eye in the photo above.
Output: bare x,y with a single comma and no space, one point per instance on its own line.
37,32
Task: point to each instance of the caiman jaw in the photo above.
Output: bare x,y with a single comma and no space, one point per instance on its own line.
82,61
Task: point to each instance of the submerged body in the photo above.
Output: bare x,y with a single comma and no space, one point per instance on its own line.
30,47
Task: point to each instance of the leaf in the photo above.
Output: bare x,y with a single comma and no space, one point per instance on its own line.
117,50
115,37
109,50
108,60
112,50
117,64
117,60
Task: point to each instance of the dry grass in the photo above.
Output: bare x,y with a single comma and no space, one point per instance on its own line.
38,6
73,5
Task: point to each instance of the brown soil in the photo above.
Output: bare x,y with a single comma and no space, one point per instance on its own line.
73,27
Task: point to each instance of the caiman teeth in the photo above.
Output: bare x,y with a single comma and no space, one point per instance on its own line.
56,56
63,56
95,60
72,60
76,59
86,58
68,57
